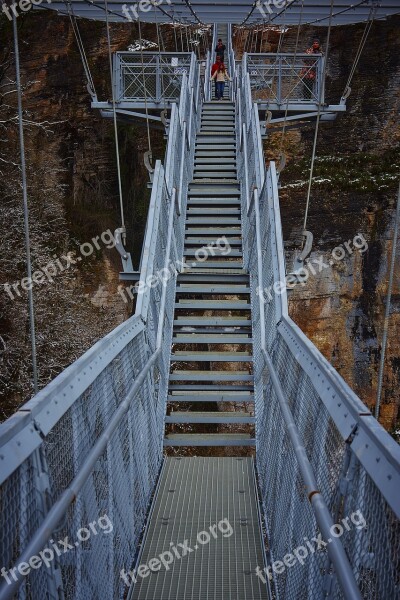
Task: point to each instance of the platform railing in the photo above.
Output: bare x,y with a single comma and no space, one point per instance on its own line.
322,458
286,77
87,448
157,79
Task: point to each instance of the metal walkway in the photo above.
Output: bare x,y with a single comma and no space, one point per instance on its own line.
205,528
79,463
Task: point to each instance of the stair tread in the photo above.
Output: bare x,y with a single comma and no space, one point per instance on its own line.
208,439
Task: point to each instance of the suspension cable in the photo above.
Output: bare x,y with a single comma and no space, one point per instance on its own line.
159,39
175,36
387,309
115,125
144,89
81,48
357,57
293,68
321,94
26,208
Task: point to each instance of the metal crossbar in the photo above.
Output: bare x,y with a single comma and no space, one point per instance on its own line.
315,438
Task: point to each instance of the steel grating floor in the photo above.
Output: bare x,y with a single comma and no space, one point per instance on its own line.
195,494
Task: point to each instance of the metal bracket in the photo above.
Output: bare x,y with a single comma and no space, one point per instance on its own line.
299,260
165,120
119,234
298,275
282,163
91,92
264,126
346,94
148,157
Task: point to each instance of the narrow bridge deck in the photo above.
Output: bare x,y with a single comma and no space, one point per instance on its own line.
194,495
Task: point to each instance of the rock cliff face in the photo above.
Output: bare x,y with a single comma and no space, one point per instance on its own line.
354,190
73,197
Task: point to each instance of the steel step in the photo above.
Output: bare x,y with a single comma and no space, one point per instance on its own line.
219,376
212,322
209,417
209,201
217,387
213,241
208,439
213,252
212,330
226,114
212,278
213,231
221,338
217,190
213,304
206,211
210,396
192,288
211,166
213,264
211,357
215,154
212,219
210,175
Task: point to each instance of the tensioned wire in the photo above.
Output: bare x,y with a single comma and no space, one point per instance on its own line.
321,94
115,124
26,208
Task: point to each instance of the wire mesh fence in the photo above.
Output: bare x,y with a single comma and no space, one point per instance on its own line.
285,77
157,77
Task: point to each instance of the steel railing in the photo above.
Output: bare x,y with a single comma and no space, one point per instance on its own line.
285,77
158,78
90,443
321,456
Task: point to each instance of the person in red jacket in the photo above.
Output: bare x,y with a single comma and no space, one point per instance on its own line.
214,68
309,73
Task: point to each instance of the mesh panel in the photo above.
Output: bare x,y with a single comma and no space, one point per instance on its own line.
285,77
158,77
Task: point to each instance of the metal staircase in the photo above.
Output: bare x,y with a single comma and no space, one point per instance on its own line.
212,307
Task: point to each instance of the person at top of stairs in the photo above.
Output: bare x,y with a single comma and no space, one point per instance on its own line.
220,50
221,75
